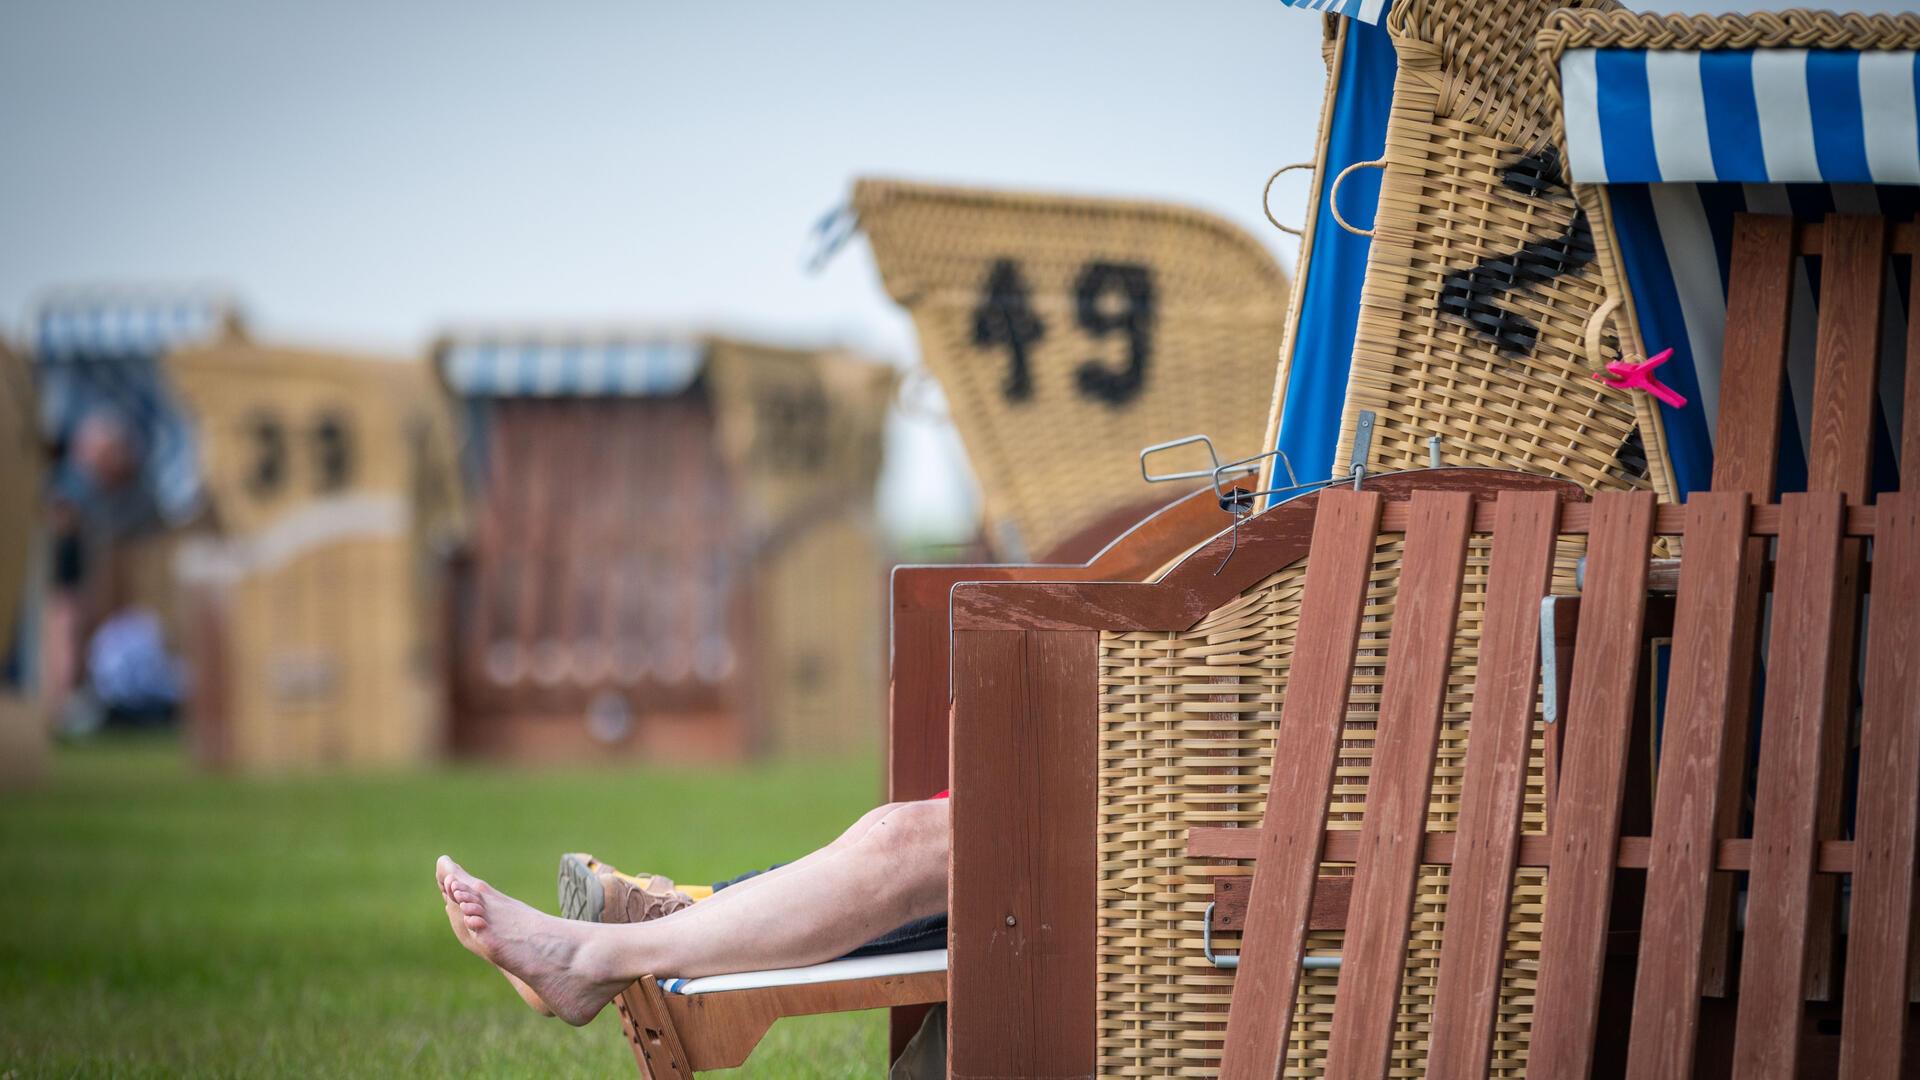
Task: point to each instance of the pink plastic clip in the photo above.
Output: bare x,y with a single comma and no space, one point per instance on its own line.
1638,375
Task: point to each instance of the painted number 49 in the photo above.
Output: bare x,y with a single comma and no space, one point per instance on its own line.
1108,298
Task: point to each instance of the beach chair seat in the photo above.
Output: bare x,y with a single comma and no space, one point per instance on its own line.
680,1026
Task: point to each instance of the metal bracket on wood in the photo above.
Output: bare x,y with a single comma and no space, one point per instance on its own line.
1311,963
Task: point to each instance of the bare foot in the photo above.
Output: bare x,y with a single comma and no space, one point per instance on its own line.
550,956
459,922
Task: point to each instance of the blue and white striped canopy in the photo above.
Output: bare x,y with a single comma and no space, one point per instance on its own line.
560,367
1365,11
1830,116
83,326
1676,246
1684,139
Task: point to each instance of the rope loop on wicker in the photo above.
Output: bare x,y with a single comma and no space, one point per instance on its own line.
1597,328
1333,194
1266,196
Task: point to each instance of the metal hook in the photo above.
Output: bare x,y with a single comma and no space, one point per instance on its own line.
1170,444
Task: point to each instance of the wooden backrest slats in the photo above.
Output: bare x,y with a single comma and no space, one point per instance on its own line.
1473,950
1686,814
1338,563
1806,609
1407,737
1592,784
1881,938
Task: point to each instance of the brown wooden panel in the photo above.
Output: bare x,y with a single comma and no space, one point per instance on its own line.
1879,957
1759,299
1261,1014
1802,643
1847,356
1686,803
1592,785
1910,433
1746,452
1840,458
1492,788
1332,895
1425,613
1811,238
1021,886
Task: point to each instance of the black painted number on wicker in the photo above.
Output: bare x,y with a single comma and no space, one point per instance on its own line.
1109,298
1133,286
1004,317
1472,294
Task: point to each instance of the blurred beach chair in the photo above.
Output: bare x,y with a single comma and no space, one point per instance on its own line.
1067,333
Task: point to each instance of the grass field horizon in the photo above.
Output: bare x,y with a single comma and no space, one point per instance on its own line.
157,921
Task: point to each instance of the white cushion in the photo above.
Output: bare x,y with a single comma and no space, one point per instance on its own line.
859,967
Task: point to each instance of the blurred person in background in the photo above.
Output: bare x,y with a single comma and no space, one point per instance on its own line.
881,887
103,660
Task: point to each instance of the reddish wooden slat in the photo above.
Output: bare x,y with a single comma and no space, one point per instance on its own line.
1802,643
1847,356
1759,299
1906,238
1332,895
1910,432
1492,788
1879,958
1840,458
1021,894
1261,1014
1425,612
1439,849
1592,785
1746,453
1686,812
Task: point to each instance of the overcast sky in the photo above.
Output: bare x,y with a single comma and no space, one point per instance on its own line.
364,174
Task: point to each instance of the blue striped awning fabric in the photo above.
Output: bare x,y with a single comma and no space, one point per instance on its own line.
83,327
570,368
1835,116
1366,11
1675,243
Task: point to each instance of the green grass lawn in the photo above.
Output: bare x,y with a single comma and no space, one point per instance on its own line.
155,921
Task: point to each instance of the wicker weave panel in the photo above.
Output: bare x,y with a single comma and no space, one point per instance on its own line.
1471,190
977,269
1188,730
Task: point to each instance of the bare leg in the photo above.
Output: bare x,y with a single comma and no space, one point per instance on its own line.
739,889
816,910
